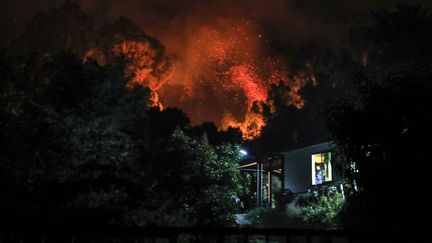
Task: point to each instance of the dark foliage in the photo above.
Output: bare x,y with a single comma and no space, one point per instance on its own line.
80,148
214,136
383,131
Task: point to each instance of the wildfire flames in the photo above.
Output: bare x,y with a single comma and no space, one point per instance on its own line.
141,67
223,75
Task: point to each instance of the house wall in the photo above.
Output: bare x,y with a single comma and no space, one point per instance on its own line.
297,168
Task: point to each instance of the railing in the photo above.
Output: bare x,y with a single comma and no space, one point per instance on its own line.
183,234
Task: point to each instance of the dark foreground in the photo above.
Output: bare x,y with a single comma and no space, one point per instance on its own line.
201,234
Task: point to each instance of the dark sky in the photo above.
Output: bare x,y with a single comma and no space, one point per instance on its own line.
292,20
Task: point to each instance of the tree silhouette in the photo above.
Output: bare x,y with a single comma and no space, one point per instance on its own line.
81,148
63,28
211,132
381,131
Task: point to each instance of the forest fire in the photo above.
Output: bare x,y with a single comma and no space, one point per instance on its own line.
143,64
225,69
130,120
217,75
141,68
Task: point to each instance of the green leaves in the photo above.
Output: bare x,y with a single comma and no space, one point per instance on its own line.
84,148
324,210
203,180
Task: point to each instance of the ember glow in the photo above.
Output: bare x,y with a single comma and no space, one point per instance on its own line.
141,66
222,73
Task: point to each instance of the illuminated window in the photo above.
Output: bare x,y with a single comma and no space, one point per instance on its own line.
321,168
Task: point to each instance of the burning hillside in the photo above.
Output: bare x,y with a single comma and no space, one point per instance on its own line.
221,72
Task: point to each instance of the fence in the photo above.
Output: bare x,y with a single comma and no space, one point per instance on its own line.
182,234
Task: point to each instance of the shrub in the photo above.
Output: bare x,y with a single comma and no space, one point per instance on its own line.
321,207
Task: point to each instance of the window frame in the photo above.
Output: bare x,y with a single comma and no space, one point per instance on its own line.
313,172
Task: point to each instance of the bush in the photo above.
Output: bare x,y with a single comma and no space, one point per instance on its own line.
321,207
272,218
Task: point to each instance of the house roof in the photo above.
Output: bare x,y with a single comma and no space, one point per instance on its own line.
313,146
273,161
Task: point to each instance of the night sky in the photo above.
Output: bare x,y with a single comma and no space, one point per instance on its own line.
292,20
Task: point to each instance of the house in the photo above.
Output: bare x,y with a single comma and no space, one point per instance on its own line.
309,167
300,170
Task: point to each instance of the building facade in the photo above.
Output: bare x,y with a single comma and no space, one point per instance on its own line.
300,170
310,167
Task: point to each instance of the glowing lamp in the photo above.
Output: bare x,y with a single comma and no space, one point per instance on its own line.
243,152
